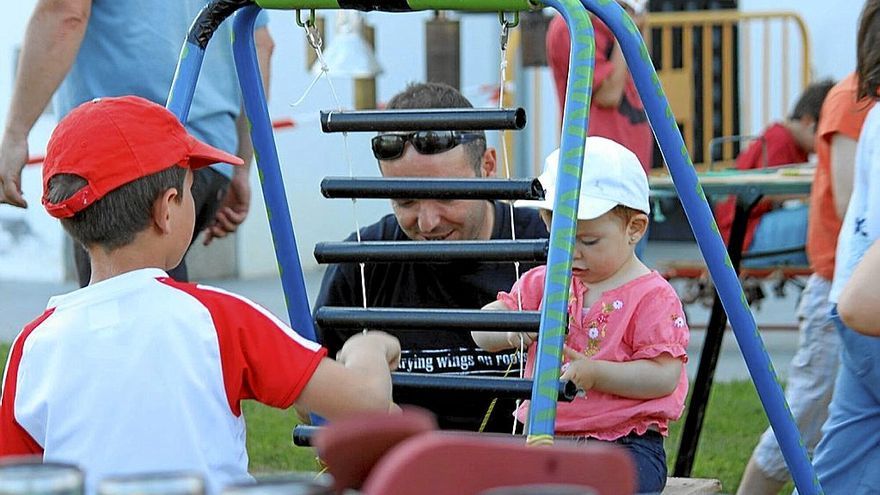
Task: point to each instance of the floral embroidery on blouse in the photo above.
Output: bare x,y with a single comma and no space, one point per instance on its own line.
596,327
677,321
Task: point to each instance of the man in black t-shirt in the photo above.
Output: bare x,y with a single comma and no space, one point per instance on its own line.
436,285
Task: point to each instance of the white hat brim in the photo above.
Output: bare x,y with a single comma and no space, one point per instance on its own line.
588,208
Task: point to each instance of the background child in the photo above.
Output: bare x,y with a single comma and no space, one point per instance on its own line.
772,228
627,337
136,372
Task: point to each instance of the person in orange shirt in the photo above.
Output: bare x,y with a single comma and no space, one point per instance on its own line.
814,366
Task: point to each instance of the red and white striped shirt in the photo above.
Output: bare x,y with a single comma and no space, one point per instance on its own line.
140,373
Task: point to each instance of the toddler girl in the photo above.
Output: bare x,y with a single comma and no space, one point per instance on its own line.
627,336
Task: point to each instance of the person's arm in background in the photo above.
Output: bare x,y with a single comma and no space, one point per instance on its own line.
609,84
52,40
236,204
859,303
843,160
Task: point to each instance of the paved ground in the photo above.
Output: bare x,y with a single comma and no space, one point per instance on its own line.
21,302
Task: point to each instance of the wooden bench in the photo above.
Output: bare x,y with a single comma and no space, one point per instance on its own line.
691,486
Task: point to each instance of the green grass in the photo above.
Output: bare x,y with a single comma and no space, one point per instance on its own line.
734,421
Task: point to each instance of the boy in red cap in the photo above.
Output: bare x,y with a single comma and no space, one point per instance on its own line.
136,372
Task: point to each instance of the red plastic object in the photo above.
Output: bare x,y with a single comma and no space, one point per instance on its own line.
469,464
351,447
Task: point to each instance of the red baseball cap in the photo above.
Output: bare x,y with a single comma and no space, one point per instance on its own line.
110,142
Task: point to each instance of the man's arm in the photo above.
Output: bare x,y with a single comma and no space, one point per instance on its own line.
843,161
51,42
608,93
236,203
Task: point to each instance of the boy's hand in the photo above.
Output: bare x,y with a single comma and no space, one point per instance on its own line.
375,341
513,338
581,370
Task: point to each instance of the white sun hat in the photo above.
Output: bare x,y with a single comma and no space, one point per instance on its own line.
612,175
638,6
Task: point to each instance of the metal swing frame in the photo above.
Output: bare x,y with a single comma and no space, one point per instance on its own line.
554,319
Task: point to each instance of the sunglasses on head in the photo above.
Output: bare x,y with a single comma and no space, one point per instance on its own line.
391,146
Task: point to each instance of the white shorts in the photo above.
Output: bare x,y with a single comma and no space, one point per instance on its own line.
811,377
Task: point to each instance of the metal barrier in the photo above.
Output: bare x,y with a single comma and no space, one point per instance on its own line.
709,110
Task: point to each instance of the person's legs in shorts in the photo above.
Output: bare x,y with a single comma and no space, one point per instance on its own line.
809,388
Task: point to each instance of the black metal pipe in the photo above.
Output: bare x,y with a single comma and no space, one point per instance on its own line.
502,388
751,255
421,188
402,319
434,251
409,385
445,119
210,18
303,434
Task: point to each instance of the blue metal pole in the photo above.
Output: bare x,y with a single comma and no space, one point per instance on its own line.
554,313
269,168
185,78
709,240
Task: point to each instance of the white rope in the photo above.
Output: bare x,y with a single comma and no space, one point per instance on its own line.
315,41
506,160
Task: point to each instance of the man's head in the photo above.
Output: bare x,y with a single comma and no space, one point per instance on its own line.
118,167
804,119
437,154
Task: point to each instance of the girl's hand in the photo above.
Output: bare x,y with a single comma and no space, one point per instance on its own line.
580,370
513,338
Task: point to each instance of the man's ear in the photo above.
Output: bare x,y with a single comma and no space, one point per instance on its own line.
637,227
489,163
161,212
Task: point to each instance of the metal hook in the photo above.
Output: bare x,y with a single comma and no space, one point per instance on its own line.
505,27
309,22
502,18
310,25
314,37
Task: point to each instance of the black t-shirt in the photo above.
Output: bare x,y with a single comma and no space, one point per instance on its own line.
460,285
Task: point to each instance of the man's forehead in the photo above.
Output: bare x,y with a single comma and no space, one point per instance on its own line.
452,162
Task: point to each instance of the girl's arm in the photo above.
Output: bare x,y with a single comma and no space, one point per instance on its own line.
499,341
859,303
640,379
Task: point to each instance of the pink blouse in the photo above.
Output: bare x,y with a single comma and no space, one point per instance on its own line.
641,319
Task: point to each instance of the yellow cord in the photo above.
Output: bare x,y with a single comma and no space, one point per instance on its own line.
494,401
321,465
